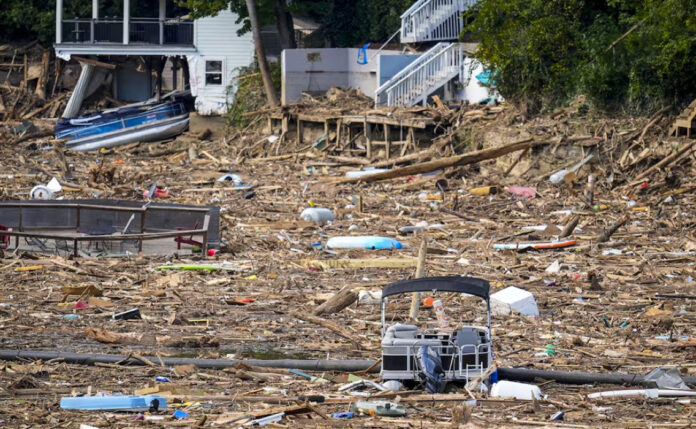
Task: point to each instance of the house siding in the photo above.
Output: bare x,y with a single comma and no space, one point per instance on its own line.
216,39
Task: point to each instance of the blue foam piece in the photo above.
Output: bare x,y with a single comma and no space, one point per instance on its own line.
135,403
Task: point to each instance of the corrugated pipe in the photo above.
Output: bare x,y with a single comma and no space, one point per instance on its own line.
513,374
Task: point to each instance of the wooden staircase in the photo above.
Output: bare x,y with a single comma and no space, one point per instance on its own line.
684,124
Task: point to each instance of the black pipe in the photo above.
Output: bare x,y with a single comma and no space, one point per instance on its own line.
512,374
575,377
91,359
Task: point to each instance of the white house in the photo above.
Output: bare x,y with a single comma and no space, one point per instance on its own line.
208,51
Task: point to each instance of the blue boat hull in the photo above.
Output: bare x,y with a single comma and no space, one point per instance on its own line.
126,125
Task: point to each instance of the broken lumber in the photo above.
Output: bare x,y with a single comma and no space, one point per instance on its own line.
570,226
420,272
452,161
360,263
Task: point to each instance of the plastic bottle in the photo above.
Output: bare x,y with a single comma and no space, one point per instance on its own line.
440,314
317,215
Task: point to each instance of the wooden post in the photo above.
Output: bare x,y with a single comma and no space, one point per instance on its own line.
368,138
75,247
420,272
339,125
299,131
43,78
26,72
387,139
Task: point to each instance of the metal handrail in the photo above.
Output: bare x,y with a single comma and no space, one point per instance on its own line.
414,81
419,24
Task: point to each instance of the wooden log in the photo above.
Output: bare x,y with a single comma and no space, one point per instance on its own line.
570,226
437,164
338,302
606,235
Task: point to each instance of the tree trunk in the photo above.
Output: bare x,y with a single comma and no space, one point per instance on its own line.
261,55
285,25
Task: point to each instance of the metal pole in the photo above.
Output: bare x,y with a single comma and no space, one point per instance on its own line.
95,17
59,22
126,22
162,17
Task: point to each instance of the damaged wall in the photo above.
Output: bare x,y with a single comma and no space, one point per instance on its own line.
317,70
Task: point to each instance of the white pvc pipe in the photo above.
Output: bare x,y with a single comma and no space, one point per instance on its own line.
648,393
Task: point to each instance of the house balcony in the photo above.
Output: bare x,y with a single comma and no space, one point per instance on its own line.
144,31
105,36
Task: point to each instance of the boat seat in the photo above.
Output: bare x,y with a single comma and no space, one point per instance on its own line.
405,336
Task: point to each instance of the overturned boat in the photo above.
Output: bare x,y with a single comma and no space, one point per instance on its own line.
134,123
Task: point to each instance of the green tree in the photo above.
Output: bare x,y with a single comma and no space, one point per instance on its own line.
638,54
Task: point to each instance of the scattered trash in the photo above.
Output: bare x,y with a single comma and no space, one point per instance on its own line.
511,389
648,393
131,314
665,378
513,299
317,215
180,414
46,192
347,415
370,297
394,385
135,403
231,177
483,191
365,242
560,175
366,172
554,268
522,191
273,418
544,245
378,408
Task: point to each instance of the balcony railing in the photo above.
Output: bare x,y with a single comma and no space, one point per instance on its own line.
141,31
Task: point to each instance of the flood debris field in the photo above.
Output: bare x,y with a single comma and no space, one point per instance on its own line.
620,300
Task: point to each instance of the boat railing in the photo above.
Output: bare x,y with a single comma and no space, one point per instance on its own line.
20,230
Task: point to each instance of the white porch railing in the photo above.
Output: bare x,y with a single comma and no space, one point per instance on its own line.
434,20
416,82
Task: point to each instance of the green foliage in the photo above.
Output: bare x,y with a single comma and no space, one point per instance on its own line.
346,22
249,94
549,51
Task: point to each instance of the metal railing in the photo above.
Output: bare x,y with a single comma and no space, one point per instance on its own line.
419,79
432,20
76,237
149,31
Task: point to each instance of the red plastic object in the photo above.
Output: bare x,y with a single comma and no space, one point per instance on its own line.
4,239
187,240
245,300
81,305
644,185
213,252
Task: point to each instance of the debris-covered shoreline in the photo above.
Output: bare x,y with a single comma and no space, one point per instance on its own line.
618,300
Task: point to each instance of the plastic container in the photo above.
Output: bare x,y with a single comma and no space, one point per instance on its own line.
366,172
135,403
440,314
378,408
511,389
364,242
317,215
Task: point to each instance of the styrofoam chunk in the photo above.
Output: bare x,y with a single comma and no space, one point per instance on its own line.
514,299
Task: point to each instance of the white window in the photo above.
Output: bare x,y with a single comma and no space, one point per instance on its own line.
213,72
